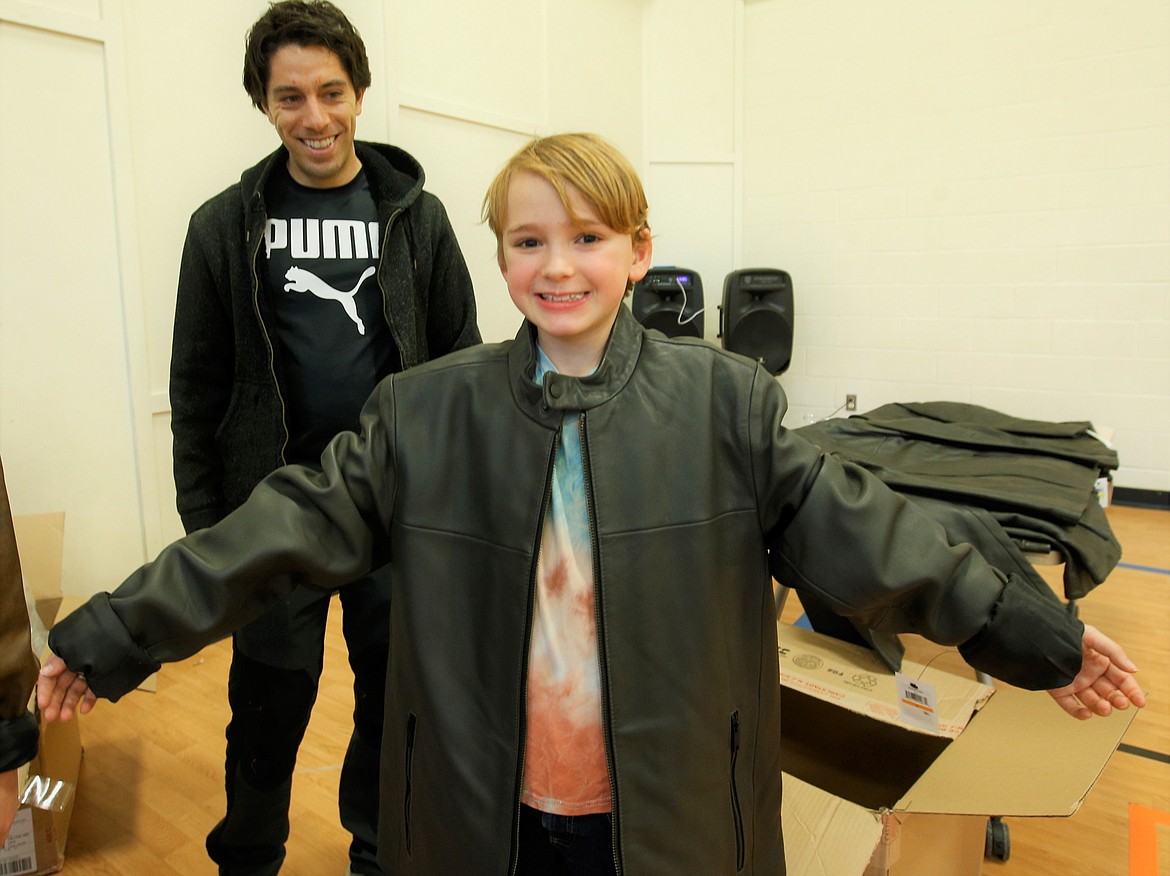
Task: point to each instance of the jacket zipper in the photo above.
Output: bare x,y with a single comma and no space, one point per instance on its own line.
736,811
606,717
544,503
411,729
268,343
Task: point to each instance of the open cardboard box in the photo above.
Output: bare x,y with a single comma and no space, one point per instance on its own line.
867,793
36,844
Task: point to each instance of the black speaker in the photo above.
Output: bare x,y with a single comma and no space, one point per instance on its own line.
670,299
756,319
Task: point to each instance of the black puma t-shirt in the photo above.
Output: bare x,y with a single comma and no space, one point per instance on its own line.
321,254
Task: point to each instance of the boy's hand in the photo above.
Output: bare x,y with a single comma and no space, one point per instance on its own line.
61,692
1105,681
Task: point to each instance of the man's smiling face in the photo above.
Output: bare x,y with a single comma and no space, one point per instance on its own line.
313,106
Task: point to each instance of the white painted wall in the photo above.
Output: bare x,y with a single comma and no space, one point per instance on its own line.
67,431
691,58
973,199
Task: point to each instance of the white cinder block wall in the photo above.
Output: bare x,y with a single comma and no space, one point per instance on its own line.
973,199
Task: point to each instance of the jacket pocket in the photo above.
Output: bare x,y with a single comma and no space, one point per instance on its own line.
411,722
736,810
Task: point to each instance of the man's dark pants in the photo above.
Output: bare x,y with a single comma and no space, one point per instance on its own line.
276,668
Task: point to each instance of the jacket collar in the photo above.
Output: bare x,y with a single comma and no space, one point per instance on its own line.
559,393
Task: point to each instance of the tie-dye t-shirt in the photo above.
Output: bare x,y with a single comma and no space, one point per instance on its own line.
564,756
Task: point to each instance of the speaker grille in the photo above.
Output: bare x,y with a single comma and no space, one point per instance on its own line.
757,316
765,336
666,296
666,320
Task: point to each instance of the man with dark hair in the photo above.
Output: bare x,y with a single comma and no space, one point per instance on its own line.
306,23
325,268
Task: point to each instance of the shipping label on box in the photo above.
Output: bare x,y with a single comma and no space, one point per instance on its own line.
18,857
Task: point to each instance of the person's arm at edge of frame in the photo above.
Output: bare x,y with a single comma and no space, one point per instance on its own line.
324,527
18,726
951,595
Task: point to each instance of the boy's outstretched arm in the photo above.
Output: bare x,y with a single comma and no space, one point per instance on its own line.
319,527
1105,681
61,692
836,530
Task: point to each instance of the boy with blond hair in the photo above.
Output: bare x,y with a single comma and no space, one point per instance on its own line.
583,675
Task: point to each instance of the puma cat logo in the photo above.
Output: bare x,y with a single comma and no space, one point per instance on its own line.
300,280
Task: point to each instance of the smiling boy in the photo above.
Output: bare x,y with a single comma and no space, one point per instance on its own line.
582,529
567,270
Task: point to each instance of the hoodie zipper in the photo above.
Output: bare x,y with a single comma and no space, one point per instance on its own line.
386,310
268,342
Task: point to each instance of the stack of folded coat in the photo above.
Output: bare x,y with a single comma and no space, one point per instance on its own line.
1006,485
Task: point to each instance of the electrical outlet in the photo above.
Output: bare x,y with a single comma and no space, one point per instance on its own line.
850,402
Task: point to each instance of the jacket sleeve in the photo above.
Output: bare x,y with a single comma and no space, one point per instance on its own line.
200,382
451,314
836,531
299,526
18,665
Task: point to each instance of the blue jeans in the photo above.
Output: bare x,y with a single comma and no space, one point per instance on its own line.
565,845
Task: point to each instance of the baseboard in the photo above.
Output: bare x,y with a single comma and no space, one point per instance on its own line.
1132,497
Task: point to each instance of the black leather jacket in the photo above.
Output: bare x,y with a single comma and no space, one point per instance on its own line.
227,411
697,497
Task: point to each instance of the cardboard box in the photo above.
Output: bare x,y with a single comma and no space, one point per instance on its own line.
873,787
36,844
